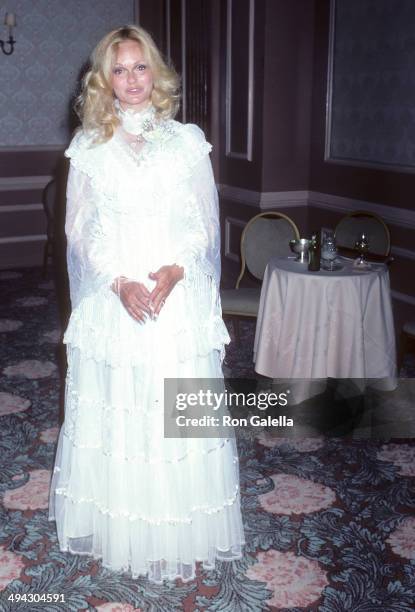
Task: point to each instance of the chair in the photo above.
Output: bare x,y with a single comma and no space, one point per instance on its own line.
265,235
407,341
353,224
49,200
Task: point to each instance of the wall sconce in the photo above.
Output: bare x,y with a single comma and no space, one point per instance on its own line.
10,22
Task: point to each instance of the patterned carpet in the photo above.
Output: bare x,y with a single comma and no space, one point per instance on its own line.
329,522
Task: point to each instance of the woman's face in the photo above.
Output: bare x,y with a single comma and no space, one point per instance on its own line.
131,76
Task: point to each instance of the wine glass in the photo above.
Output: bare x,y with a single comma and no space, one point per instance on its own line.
328,251
362,245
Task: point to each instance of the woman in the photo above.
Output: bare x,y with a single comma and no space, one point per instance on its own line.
144,267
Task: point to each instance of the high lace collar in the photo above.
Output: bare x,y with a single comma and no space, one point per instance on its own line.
137,122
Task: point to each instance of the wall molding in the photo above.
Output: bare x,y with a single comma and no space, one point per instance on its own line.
265,199
401,252
237,194
29,238
32,148
395,216
403,297
184,64
247,155
402,217
24,183
283,199
136,11
168,29
20,208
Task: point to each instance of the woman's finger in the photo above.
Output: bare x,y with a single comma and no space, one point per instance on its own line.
158,289
159,302
143,290
141,305
136,314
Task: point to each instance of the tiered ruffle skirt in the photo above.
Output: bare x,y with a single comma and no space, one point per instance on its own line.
123,492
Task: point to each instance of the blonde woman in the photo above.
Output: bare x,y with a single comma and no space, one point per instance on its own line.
144,267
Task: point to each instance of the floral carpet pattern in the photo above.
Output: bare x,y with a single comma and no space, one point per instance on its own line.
329,522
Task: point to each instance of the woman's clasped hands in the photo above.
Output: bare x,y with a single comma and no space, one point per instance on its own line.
138,301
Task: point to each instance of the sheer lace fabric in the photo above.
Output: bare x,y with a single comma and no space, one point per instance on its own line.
120,490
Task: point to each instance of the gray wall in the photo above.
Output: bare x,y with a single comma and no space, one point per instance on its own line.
38,82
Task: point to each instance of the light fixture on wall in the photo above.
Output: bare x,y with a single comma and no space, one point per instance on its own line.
10,22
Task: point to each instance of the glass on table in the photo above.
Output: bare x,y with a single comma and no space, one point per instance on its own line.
362,246
300,248
328,251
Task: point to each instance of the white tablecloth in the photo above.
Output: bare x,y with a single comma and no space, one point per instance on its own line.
318,325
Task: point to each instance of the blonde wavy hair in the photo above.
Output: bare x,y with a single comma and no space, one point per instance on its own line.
95,104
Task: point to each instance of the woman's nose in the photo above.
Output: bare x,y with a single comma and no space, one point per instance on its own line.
131,76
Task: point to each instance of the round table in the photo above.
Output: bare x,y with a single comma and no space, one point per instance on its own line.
319,325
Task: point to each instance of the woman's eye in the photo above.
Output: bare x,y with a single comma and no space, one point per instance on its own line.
117,70
141,67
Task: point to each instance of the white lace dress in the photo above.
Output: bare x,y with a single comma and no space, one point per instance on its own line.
120,491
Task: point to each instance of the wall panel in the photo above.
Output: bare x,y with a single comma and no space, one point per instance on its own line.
239,78
241,92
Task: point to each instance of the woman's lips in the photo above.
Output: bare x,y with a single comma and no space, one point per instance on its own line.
134,91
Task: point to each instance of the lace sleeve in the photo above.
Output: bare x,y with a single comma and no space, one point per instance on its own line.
91,251
200,245
199,253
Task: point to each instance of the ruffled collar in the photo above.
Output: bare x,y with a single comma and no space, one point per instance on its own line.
139,123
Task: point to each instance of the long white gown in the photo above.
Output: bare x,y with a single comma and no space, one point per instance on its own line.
120,490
